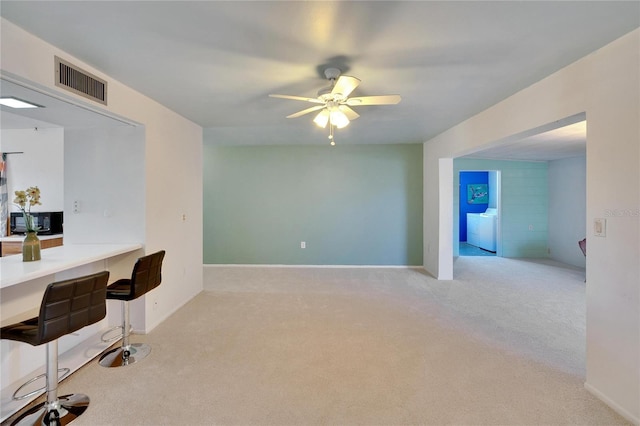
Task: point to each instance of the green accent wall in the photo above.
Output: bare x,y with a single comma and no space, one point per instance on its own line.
525,201
352,205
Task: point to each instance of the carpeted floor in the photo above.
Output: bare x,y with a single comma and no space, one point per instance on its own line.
502,344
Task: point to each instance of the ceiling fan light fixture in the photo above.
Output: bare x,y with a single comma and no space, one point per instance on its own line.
322,118
339,119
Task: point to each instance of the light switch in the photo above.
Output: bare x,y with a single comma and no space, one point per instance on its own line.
600,227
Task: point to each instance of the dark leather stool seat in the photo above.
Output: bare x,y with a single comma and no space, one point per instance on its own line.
67,306
145,277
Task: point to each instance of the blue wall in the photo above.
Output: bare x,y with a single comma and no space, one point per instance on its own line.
352,205
467,178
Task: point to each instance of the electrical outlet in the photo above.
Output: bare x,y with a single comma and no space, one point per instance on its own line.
303,244
530,227
76,206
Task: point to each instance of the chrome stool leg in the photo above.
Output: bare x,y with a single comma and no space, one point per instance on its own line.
127,353
55,411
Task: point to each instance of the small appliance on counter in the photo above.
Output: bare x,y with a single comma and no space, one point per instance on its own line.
50,223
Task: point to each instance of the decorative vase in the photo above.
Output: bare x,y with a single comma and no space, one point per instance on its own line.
31,247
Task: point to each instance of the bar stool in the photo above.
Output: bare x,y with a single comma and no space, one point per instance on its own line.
145,277
67,306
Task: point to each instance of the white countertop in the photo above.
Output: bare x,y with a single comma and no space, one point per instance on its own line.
14,271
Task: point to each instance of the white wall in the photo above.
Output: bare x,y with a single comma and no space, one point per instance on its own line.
95,161
41,165
172,167
567,209
606,86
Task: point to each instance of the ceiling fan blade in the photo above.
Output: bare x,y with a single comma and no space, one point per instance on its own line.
298,98
305,111
351,114
345,84
374,100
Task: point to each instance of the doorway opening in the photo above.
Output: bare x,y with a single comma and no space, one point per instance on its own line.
478,212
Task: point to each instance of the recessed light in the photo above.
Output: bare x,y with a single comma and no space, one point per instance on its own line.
17,103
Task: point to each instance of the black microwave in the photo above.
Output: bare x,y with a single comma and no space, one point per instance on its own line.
49,222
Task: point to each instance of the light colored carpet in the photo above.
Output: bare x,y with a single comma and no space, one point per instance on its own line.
502,344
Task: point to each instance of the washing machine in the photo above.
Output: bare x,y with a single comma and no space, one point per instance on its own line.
481,229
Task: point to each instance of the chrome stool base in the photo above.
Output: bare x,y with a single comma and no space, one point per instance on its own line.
122,356
61,412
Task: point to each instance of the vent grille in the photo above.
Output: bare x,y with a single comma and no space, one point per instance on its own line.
80,82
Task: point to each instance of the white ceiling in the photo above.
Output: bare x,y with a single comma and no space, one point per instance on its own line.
216,62
564,142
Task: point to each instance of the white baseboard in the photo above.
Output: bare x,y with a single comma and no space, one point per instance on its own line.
245,277
251,265
613,405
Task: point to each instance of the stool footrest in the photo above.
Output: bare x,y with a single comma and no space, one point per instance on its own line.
16,397
116,337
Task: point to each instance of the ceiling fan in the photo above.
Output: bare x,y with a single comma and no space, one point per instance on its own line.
334,103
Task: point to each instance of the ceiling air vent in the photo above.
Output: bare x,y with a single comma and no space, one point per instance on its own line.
80,82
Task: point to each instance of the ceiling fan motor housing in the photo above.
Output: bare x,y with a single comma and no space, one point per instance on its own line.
325,94
332,73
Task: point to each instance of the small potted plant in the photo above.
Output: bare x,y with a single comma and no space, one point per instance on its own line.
31,244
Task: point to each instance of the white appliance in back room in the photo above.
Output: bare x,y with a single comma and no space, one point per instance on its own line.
481,229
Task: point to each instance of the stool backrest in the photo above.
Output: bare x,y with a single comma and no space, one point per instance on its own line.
70,305
147,273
